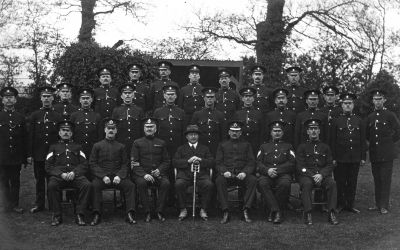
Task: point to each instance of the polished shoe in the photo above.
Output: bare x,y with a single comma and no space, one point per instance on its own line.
278,218
246,216
147,218
307,218
353,210
225,217
161,217
383,211
130,218
80,220
183,214
269,217
203,214
56,220
332,218
373,208
96,219
36,209
18,210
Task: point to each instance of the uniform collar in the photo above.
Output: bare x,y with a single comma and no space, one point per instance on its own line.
12,109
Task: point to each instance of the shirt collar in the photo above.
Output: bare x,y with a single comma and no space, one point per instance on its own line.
195,145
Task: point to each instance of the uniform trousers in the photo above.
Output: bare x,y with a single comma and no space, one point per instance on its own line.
163,186
204,186
307,184
249,184
277,200
125,186
41,177
346,175
54,186
10,184
382,173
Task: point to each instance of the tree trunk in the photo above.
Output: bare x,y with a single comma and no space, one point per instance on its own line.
88,22
271,38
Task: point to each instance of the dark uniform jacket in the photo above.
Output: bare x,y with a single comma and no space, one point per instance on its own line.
65,109
151,153
348,141
296,100
212,127
109,158
252,130
191,98
331,112
301,130
105,100
283,115
14,135
141,95
276,154
184,153
314,157
227,101
65,156
88,129
42,132
157,93
262,100
383,129
235,156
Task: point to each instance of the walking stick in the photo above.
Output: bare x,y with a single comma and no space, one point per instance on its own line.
195,168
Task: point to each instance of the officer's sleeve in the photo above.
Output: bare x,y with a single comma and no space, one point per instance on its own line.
366,122
94,163
324,135
300,160
363,139
99,128
179,160
395,123
333,138
261,168
165,162
25,138
82,166
180,99
50,167
195,118
135,156
297,132
114,113
123,172
219,160
288,166
31,129
328,169
251,163
208,160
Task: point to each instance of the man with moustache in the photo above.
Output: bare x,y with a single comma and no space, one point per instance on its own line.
227,100
65,106
105,96
296,91
141,95
262,101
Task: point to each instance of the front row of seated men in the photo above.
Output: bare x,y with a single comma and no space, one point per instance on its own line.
66,164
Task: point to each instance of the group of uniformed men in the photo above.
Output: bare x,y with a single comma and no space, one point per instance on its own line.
242,137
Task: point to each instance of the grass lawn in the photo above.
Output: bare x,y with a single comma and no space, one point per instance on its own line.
369,230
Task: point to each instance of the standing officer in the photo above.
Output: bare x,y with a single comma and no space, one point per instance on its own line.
188,155
191,98
349,148
129,117
150,164
296,91
210,121
105,96
141,94
66,166
276,164
330,108
282,113
383,130
250,117
156,87
235,164
110,167
87,123
13,153
262,100
314,167
227,99
65,107
42,133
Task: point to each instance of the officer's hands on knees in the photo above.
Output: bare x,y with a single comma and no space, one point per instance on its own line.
106,180
318,178
241,176
272,172
227,174
148,177
117,180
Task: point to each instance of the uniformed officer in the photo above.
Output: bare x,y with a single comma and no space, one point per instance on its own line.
190,97
383,130
330,108
66,166
129,118
227,100
141,95
262,101
150,165
210,121
276,165
250,117
185,160
296,91
281,113
235,164
312,111
87,123
156,87
65,106
110,166
42,133
13,152
349,148
105,96
314,167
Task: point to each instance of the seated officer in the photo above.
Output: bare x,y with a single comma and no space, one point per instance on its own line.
276,164
314,166
235,164
109,164
188,154
150,162
66,166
